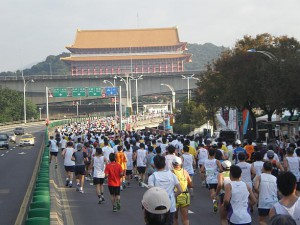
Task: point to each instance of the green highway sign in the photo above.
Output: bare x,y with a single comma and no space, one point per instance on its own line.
78,92
95,91
60,92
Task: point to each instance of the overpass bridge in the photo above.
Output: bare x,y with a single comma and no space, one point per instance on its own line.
149,85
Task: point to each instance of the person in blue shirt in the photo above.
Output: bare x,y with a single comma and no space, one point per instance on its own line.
237,150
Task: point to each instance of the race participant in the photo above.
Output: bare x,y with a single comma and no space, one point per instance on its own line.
141,163
292,164
250,150
67,154
107,150
63,143
79,157
223,179
182,200
166,180
258,162
98,164
53,145
276,164
149,157
210,170
237,150
274,155
248,172
289,203
129,165
122,160
266,188
170,156
202,155
113,172
238,197
188,165
192,150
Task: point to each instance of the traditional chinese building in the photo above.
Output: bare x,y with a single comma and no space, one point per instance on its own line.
98,52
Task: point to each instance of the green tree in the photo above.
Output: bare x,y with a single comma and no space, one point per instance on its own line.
12,106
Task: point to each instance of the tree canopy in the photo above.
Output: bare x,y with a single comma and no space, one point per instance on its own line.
264,77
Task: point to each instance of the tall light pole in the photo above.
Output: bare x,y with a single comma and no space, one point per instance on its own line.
40,113
173,95
188,83
113,85
126,86
24,94
136,91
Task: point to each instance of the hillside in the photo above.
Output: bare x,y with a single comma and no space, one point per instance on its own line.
202,54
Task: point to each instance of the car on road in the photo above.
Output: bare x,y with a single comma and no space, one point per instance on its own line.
19,131
4,139
26,139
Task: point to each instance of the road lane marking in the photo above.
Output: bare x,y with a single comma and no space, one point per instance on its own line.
7,152
21,153
2,155
4,191
191,212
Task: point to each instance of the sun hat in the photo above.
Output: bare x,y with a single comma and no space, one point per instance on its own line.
226,164
156,200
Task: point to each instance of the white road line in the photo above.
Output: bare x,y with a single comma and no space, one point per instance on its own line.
145,185
191,212
7,152
2,155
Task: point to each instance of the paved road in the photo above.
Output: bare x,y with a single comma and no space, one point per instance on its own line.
85,209
16,172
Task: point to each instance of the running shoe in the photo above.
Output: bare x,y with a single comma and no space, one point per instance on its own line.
67,183
121,188
100,200
77,187
81,191
55,166
118,205
114,208
215,205
70,185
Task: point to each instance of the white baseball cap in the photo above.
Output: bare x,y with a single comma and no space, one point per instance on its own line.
177,161
238,142
156,200
226,164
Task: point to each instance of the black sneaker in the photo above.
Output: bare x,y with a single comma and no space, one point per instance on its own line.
70,185
118,205
100,200
115,209
67,183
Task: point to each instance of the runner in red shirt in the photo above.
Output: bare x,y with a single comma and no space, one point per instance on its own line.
113,171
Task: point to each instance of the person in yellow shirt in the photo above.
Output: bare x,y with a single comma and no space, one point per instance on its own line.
192,150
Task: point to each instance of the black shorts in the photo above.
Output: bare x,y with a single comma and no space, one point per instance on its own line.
70,168
114,190
263,212
212,186
128,172
134,163
53,153
97,180
141,169
221,198
80,170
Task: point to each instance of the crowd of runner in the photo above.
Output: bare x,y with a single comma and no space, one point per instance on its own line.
239,177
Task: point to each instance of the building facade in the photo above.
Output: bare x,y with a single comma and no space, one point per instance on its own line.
134,51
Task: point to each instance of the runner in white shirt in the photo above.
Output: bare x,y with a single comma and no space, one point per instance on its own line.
167,180
63,143
266,188
98,163
141,163
69,164
107,150
129,164
169,157
188,165
238,196
53,150
248,172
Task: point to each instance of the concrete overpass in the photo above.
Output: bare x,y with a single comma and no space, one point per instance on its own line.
149,85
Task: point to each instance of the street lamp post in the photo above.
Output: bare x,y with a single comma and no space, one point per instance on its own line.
173,95
24,94
136,91
188,83
266,53
126,86
40,113
113,85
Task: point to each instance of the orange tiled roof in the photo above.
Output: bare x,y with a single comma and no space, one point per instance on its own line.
126,38
134,57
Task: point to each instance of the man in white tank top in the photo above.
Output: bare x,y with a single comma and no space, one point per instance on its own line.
69,164
248,172
292,164
238,197
290,202
53,147
266,188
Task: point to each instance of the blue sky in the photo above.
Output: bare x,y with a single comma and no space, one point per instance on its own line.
33,29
